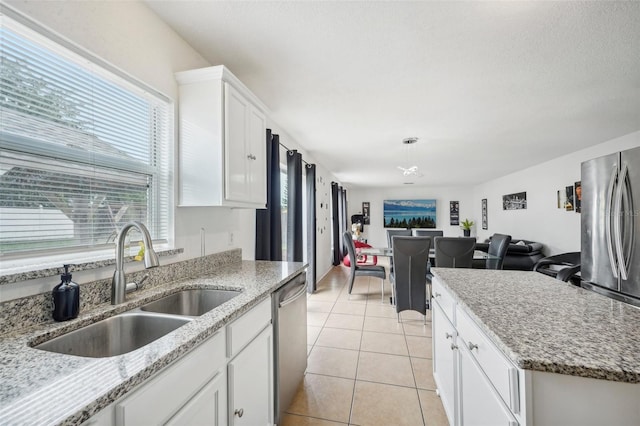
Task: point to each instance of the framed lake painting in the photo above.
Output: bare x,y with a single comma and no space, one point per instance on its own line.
409,213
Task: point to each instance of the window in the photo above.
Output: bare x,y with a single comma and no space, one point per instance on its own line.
83,148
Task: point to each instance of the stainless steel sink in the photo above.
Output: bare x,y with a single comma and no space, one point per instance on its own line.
191,302
114,336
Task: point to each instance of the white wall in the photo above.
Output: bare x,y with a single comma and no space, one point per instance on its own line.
557,229
376,233
131,37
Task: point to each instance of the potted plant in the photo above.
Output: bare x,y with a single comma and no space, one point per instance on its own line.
466,227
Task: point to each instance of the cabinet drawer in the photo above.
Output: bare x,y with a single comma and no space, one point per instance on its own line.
244,329
444,299
502,374
174,386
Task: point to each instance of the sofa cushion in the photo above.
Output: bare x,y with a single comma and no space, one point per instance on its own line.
518,247
518,256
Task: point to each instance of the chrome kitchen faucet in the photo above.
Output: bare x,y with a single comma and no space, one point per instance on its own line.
119,286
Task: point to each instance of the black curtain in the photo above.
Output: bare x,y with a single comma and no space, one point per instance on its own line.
343,218
268,221
294,206
335,224
311,227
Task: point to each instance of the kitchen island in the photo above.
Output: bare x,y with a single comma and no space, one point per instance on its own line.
515,347
39,387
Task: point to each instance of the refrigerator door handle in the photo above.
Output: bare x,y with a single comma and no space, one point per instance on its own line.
607,225
617,223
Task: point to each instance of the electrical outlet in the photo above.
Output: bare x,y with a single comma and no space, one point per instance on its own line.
230,238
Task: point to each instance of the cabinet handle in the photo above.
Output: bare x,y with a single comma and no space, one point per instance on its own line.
472,346
436,294
251,157
239,412
454,347
448,335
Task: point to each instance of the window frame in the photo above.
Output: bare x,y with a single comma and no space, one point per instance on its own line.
163,152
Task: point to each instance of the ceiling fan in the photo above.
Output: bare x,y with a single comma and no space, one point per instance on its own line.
410,170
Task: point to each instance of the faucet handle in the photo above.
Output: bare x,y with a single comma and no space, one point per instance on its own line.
133,286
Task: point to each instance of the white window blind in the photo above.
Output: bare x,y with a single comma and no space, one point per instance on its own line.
82,150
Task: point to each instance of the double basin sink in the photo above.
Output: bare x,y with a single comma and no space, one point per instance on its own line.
134,329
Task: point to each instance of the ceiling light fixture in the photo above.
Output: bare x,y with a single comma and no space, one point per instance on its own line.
409,170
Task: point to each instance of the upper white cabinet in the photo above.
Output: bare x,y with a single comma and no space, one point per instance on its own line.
222,142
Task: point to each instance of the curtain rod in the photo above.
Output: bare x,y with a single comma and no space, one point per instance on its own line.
285,147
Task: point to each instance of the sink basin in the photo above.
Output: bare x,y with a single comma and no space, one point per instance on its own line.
114,336
191,302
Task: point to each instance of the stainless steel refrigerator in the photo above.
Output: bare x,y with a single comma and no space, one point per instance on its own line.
610,255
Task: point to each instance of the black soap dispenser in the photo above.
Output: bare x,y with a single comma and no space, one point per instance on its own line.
66,298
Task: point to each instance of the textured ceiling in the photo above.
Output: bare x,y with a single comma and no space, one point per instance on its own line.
488,87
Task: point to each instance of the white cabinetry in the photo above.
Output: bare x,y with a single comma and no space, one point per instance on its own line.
474,379
250,370
479,385
178,391
222,142
251,383
207,407
444,338
227,380
480,406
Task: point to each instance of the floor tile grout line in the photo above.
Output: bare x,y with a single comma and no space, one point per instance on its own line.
367,314
353,393
413,373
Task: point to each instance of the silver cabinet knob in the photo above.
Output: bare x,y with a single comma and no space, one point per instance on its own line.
251,157
472,346
239,412
448,335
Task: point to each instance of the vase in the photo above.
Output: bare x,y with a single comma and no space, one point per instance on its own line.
467,232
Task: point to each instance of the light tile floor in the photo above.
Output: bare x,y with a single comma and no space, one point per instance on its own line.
364,368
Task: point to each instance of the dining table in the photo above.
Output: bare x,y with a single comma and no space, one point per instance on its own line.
388,252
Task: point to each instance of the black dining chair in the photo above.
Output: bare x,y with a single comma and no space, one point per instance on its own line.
396,231
497,247
409,277
560,266
377,271
419,232
454,252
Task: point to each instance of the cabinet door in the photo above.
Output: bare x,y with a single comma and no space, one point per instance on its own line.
207,407
251,383
257,148
237,110
444,358
480,404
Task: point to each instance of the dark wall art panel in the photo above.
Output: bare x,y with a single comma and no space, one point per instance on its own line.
516,201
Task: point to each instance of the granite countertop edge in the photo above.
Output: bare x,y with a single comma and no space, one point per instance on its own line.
535,363
28,368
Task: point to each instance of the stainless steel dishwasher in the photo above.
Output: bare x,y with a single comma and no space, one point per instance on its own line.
290,337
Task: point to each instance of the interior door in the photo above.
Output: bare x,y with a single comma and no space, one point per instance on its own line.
598,184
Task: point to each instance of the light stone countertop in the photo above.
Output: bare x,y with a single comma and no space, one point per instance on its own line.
547,325
43,388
